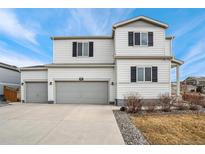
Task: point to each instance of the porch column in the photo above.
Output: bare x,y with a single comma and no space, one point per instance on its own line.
178,82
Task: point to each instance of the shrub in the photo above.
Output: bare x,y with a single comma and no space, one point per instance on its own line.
151,108
194,107
199,89
182,105
202,103
166,102
133,102
193,98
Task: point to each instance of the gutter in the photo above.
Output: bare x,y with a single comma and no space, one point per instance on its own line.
10,84
81,66
143,57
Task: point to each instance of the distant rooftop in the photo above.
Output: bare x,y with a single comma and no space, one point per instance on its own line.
196,77
7,66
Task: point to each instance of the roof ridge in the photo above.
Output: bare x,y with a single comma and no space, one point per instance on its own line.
154,21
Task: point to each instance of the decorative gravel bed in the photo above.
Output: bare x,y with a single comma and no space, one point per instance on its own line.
131,135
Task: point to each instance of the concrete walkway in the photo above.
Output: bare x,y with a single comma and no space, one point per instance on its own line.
58,124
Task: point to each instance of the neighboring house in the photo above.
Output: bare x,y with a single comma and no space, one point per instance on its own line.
195,81
9,76
104,69
192,83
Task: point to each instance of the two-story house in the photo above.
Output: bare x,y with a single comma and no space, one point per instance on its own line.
104,69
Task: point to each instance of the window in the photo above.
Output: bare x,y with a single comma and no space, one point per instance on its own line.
80,49
140,73
83,49
140,38
144,38
148,72
143,74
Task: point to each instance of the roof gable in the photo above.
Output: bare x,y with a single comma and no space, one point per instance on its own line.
140,18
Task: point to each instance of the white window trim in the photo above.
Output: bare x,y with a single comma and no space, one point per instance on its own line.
144,74
140,39
83,50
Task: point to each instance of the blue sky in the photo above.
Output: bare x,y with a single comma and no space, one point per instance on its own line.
25,33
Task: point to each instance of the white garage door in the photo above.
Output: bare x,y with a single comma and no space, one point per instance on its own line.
82,92
36,92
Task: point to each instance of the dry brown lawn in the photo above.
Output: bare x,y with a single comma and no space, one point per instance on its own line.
172,129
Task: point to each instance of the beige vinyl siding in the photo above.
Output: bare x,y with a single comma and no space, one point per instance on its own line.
73,74
40,75
148,90
168,48
103,51
121,41
34,75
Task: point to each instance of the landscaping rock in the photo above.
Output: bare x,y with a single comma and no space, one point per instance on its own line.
131,135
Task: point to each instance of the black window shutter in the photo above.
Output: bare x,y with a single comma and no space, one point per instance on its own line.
150,39
90,49
130,39
154,74
137,38
133,74
74,49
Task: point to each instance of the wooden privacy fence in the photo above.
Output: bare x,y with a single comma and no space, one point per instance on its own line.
11,94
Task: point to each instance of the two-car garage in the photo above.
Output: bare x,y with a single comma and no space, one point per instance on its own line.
82,92
90,92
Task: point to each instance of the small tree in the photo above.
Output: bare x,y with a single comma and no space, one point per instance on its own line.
133,102
151,107
166,101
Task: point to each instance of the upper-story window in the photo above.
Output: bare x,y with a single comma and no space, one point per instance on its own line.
140,38
82,49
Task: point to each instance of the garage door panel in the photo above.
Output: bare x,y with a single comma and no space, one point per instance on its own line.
82,92
36,92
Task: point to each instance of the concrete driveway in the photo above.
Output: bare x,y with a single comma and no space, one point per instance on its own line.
58,124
